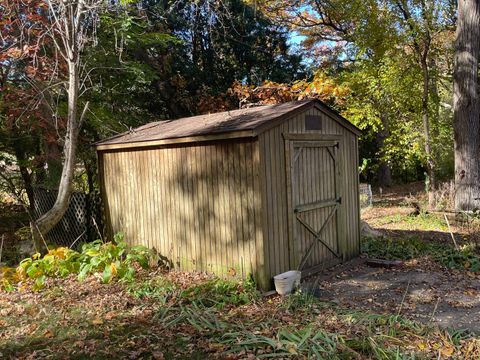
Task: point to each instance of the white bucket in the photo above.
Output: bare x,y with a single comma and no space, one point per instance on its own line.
287,281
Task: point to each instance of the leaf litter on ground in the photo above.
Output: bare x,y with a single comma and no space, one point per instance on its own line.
166,315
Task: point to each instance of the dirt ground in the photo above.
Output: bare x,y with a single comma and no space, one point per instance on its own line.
419,289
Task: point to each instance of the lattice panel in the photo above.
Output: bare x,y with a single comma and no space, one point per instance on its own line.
366,197
79,224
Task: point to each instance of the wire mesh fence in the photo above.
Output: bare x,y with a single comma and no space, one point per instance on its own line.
82,222
366,197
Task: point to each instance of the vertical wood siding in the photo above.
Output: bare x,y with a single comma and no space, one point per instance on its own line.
313,179
222,206
275,198
196,204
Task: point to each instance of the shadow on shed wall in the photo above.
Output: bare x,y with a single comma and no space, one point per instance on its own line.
194,204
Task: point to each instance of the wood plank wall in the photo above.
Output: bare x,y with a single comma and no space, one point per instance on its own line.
209,206
196,204
274,196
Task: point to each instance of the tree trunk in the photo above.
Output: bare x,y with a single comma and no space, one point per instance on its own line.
466,105
53,158
384,172
48,220
422,47
432,181
26,176
435,111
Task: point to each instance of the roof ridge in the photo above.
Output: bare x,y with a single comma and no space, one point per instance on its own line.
256,119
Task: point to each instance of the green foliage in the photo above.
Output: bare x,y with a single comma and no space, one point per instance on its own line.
423,221
385,103
111,259
465,258
299,300
214,293
300,336
158,288
306,342
375,49
220,293
391,249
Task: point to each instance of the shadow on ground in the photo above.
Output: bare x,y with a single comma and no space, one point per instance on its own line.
419,289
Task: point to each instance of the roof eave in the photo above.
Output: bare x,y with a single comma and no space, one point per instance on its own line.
182,140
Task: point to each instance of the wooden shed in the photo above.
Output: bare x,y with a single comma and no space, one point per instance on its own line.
254,191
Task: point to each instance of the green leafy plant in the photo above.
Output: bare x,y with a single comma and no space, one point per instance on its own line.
390,249
112,259
220,292
159,288
466,257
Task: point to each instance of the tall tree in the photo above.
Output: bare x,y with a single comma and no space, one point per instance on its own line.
344,35
29,75
72,23
67,27
420,28
467,106
53,76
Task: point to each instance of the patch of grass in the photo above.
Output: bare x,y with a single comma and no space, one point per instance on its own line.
423,221
427,221
392,249
215,292
466,258
220,293
158,288
307,342
300,300
295,326
317,330
51,327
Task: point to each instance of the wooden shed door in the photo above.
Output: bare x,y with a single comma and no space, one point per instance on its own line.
315,198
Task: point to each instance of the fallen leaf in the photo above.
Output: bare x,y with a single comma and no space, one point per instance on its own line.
79,343
158,355
421,345
447,350
48,334
97,321
110,315
292,350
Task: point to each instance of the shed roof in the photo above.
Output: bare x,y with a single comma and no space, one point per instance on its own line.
228,124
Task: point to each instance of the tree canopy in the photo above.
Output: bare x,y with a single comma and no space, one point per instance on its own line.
387,66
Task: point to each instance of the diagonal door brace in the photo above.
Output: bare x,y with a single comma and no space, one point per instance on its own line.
316,236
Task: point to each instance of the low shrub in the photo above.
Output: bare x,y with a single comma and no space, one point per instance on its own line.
464,258
113,259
